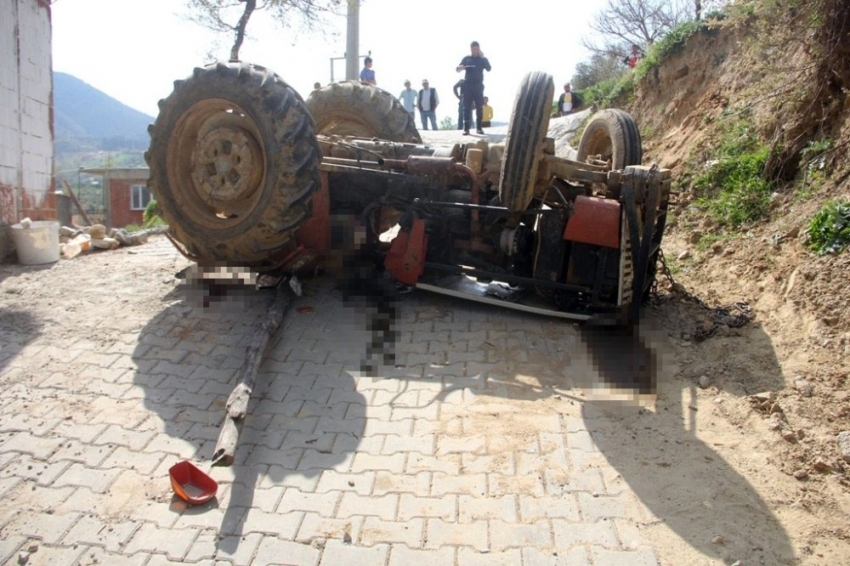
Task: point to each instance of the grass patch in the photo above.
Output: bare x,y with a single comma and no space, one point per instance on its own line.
707,240
732,186
815,166
670,43
611,93
828,231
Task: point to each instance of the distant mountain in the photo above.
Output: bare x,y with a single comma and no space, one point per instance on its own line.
85,118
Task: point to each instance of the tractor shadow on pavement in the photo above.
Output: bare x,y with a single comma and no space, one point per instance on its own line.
306,418
475,375
661,453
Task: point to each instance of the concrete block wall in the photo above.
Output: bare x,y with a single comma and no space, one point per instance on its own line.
26,115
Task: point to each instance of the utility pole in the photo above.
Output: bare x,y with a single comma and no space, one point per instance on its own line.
352,41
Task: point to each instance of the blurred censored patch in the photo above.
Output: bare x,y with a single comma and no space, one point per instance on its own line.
624,363
374,298
232,288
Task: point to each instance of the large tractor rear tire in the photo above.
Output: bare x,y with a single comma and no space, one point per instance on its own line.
524,143
354,109
233,164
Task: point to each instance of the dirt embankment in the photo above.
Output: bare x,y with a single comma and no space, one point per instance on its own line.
795,353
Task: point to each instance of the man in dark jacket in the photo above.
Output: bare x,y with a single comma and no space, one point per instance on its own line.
473,86
568,102
458,90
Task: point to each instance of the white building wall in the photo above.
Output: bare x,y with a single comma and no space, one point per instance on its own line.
26,125
10,139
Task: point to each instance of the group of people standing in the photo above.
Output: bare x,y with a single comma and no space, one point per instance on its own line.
425,100
469,91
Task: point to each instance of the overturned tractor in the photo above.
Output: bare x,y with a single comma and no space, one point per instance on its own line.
248,174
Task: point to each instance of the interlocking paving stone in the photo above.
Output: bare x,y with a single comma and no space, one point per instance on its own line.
173,543
402,555
315,527
47,527
93,531
376,531
24,466
384,507
471,508
440,533
418,484
36,446
574,557
470,557
337,552
605,557
321,503
78,475
410,507
442,459
235,549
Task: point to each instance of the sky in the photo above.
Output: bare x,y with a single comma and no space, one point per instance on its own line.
133,50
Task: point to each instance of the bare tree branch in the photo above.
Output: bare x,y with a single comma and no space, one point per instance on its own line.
623,23
250,6
304,15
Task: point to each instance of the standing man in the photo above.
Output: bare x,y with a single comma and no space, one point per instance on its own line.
458,90
427,104
473,86
367,75
408,99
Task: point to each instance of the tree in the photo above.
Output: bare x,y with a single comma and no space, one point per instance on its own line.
601,67
217,15
448,124
623,23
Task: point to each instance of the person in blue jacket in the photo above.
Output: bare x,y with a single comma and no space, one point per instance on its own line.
367,75
473,86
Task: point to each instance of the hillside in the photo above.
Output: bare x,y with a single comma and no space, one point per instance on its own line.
86,118
773,395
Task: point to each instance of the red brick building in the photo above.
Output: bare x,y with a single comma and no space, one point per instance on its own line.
125,193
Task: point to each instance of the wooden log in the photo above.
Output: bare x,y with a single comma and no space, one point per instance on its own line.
76,202
237,403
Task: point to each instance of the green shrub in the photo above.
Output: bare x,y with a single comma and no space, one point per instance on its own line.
732,186
151,217
814,155
829,229
612,92
670,43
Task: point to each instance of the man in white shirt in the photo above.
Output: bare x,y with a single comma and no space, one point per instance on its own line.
427,103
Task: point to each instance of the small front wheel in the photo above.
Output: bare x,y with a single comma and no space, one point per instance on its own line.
524,143
611,136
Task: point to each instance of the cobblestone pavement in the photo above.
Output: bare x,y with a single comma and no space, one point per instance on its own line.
476,448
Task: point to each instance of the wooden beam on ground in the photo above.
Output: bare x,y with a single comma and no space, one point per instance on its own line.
76,202
237,403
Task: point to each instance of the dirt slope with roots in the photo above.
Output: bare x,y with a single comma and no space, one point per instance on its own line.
778,386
